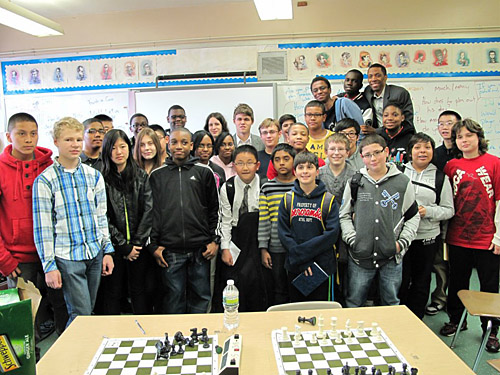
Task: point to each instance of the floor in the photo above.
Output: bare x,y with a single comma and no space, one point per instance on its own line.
466,347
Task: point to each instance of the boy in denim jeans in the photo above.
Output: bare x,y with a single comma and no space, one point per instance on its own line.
69,222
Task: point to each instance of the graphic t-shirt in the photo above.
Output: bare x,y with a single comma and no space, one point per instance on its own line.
317,146
476,188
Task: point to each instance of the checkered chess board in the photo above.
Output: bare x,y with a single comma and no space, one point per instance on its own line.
137,356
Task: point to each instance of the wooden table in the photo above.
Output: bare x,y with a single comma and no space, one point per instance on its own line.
73,351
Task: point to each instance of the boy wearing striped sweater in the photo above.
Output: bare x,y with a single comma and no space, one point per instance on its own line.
271,194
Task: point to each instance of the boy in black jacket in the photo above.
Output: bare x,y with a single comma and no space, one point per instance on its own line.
185,215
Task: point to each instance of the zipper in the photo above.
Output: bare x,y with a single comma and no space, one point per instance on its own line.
126,218
182,208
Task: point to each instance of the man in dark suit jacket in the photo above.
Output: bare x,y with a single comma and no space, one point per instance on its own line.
379,94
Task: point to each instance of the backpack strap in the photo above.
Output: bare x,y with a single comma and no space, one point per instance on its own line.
439,184
326,206
288,201
411,211
230,191
355,184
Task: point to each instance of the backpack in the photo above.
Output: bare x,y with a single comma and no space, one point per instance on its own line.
355,184
327,198
439,181
231,190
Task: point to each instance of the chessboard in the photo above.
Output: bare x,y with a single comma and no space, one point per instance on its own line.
138,356
358,349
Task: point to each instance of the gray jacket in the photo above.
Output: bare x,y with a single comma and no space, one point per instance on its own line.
373,225
429,224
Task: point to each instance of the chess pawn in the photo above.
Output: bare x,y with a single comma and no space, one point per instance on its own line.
361,326
374,331
333,323
314,339
298,335
284,334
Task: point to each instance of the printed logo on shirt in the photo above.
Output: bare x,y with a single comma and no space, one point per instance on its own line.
193,178
306,213
456,180
389,199
485,180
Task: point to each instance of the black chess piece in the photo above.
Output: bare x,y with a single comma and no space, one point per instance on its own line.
312,321
194,335
414,371
405,369
362,370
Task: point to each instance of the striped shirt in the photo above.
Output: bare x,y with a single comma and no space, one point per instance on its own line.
69,214
271,195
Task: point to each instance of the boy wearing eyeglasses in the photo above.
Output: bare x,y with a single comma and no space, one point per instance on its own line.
270,133
239,208
92,142
176,117
351,129
379,204
315,115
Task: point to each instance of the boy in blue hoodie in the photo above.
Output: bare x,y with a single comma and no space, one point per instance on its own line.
308,227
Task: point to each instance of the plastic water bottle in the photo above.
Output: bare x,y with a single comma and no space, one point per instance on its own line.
231,302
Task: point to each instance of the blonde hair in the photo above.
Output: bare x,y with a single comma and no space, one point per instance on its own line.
66,123
268,122
338,138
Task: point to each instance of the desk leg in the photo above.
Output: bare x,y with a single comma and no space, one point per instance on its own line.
483,345
455,337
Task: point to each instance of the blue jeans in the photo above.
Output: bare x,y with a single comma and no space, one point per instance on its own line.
80,282
186,281
359,280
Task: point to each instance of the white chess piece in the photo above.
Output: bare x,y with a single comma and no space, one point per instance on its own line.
314,340
321,324
284,334
333,323
338,339
298,335
361,326
374,331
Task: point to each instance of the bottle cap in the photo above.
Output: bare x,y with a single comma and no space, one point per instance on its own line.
230,282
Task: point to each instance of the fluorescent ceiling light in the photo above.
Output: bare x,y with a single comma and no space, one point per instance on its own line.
22,19
274,9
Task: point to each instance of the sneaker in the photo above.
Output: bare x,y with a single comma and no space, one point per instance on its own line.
450,328
434,308
492,344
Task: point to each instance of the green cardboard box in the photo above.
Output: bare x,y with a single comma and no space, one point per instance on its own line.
17,340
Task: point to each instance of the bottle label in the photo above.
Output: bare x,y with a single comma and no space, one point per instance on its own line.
231,300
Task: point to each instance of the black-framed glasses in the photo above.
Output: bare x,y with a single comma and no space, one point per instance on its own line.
374,153
93,131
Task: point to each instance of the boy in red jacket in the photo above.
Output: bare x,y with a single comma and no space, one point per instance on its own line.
20,163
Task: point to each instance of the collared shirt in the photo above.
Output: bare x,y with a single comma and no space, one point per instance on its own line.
240,142
69,214
94,163
378,105
230,218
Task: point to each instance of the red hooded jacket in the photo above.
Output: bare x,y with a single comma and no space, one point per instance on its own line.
16,212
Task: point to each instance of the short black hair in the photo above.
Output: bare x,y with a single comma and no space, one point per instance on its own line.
138,115
450,112
315,103
181,130
90,121
103,117
198,137
358,74
246,148
306,157
158,128
220,140
286,117
419,138
175,106
347,123
283,147
320,78
377,65
19,117
370,140
393,104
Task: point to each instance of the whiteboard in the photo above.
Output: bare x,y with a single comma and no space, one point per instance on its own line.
479,100
51,107
200,101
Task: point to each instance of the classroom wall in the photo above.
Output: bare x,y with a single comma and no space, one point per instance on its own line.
238,22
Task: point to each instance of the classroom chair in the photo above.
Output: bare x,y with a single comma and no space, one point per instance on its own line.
308,305
480,304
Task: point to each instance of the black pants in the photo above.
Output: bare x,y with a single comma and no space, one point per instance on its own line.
462,261
276,280
417,271
137,278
